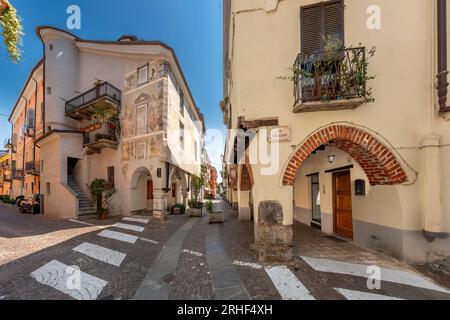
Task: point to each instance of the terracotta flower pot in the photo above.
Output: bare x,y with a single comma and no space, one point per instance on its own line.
98,126
103,215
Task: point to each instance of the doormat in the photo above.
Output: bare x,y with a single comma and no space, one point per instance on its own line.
336,239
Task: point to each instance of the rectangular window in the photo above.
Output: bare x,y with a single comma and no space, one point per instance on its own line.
196,151
111,176
42,112
181,103
181,135
42,166
47,189
142,75
30,118
141,120
174,190
322,25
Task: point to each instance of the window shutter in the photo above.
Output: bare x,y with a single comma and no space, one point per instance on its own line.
111,176
150,190
323,20
310,29
30,118
333,14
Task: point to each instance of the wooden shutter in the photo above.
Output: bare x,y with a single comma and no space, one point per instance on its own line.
310,29
150,190
111,176
319,21
333,22
174,190
30,118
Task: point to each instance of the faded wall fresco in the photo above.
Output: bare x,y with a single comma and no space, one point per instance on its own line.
144,117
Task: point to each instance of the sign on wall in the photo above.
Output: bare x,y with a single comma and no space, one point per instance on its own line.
280,134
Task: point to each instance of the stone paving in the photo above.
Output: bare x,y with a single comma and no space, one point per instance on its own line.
187,259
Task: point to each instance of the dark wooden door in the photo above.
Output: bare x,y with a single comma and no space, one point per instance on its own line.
342,195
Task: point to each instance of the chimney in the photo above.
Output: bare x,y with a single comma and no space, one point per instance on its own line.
128,38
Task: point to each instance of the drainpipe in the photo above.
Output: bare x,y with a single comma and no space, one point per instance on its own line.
23,149
442,54
35,129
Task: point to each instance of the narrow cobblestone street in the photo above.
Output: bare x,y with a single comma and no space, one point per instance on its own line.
186,258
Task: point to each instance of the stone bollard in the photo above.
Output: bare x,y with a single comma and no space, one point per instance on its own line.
275,240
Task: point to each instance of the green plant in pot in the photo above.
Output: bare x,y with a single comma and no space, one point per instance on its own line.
195,208
101,192
209,206
179,209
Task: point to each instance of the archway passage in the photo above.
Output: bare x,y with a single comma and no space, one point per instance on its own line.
141,192
377,161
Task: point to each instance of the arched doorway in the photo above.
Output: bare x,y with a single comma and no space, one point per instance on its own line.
141,192
178,188
324,171
245,191
377,160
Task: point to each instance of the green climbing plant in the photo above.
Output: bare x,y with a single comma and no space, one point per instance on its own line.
198,182
101,192
11,30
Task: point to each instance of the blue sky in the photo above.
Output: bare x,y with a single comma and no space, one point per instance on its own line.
192,27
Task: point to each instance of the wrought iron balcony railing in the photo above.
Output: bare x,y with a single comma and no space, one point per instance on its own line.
32,167
89,98
330,75
18,174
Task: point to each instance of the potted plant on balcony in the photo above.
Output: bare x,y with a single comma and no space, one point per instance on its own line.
195,208
101,192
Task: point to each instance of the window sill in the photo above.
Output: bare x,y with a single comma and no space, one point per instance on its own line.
333,105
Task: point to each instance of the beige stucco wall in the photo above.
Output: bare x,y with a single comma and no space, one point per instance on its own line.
55,152
264,42
184,157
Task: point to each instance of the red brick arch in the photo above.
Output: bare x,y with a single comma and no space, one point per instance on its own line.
377,161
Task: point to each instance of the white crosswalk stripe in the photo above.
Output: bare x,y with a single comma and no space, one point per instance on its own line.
102,254
360,270
63,278
365,296
287,284
129,227
118,236
138,220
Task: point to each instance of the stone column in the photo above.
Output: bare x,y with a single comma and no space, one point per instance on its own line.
235,200
160,205
432,180
275,240
244,206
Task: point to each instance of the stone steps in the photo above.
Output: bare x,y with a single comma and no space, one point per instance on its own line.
86,208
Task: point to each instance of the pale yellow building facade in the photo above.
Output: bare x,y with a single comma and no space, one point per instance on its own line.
362,157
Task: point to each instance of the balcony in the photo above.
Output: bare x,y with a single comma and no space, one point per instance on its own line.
99,140
18,174
331,80
32,168
101,100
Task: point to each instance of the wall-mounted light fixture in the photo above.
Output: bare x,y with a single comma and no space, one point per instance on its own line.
331,157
